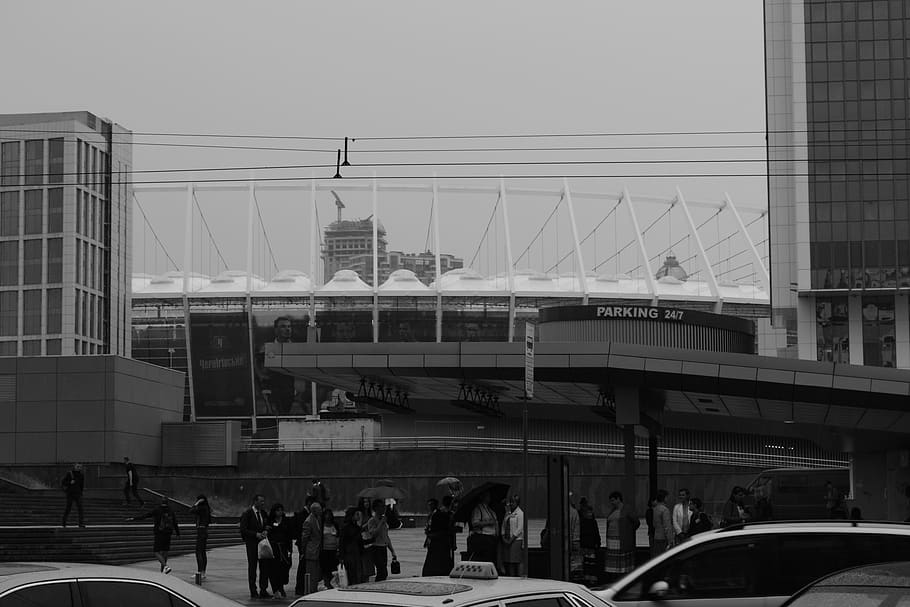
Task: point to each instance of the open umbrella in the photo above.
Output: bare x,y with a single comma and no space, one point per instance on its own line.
469,501
451,483
382,492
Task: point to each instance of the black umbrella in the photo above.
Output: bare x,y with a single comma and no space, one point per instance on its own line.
469,501
382,492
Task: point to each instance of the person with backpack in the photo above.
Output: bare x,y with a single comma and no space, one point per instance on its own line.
165,525
73,485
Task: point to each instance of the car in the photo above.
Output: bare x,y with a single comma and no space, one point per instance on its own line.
881,585
84,585
755,564
470,584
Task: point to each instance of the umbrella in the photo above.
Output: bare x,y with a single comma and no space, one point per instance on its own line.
451,483
382,492
469,501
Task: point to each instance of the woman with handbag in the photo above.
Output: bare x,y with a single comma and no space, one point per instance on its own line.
328,558
350,547
280,535
377,530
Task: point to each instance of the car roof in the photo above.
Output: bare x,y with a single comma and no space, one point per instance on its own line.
441,590
16,574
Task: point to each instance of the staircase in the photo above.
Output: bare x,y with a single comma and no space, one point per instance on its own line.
30,528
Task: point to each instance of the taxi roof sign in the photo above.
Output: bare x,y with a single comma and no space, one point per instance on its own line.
474,570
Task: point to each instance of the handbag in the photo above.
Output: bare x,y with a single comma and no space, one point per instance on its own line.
264,549
342,576
395,566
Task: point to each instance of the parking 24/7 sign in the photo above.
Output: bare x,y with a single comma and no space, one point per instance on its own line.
529,360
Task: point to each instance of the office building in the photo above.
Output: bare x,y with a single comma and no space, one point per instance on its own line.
837,107
423,265
65,222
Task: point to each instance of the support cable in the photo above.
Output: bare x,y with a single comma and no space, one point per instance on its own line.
486,230
264,232
540,231
208,229
154,234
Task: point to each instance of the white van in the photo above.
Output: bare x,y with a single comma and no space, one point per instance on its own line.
799,493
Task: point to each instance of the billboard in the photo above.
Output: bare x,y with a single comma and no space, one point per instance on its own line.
278,394
220,343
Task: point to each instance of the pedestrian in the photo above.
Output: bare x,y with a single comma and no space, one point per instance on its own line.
253,529
165,525
309,545
622,524
482,540
649,521
698,520
589,537
131,486
74,485
350,546
734,509
437,541
280,534
319,493
447,507
663,528
202,514
680,517
328,557
513,534
576,561
834,501
378,530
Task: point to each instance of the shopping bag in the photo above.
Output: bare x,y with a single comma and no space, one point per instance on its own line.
396,566
342,577
265,549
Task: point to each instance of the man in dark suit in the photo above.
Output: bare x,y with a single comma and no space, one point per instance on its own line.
132,483
73,485
253,524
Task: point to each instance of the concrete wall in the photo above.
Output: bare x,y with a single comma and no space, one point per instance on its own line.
89,409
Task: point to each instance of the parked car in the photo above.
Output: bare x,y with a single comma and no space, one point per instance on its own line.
798,493
881,585
471,584
756,564
80,585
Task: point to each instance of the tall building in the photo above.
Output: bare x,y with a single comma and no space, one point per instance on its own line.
424,264
348,245
65,228
837,107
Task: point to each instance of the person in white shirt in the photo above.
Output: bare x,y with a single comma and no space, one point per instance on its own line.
513,533
681,517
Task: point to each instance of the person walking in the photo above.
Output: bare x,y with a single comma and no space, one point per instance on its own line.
74,486
253,529
663,528
437,541
309,544
589,534
698,520
734,509
350,546
164,526
484,529
202,515
280,534
377,529
328,556
131,486
680,517
621,527
513,534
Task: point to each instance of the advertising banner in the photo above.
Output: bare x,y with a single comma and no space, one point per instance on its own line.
277,393
221,364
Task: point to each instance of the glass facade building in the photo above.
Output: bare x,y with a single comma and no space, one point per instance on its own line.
837,106
65,222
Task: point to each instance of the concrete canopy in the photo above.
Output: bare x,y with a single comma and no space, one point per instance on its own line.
576,380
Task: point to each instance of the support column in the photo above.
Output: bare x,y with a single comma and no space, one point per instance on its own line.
628,415
628,481
558,516
653,440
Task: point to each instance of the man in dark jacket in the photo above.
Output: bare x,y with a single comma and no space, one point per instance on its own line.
165,525
253,523
73,485
132,483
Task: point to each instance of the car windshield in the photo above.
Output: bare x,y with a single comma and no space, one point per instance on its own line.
853,596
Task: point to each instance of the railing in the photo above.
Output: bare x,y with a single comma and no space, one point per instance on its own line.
513,445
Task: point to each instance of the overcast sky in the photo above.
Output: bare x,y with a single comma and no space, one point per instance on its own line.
393,69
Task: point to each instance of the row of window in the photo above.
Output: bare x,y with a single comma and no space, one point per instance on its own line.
89,215
832,319
861,265
89,261
850,10
42,312
88,308
32,347
12,170
91,167
39,215
32,270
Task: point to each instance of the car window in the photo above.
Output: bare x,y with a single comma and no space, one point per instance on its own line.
715,570
805,557
871,548
548,601
56,594
853,597
114,593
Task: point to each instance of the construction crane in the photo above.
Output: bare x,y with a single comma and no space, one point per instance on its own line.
338,203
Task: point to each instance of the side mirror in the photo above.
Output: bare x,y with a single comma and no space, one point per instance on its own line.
658,589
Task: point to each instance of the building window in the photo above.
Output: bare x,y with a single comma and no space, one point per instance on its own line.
9,263
9,163
54,347
832,329
31,312
54,210
8,348
79,177
92,315
54,260
9,213
54,311
878,331
32,261
77,327
9,313
34,162
31,347
55,160
34,212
